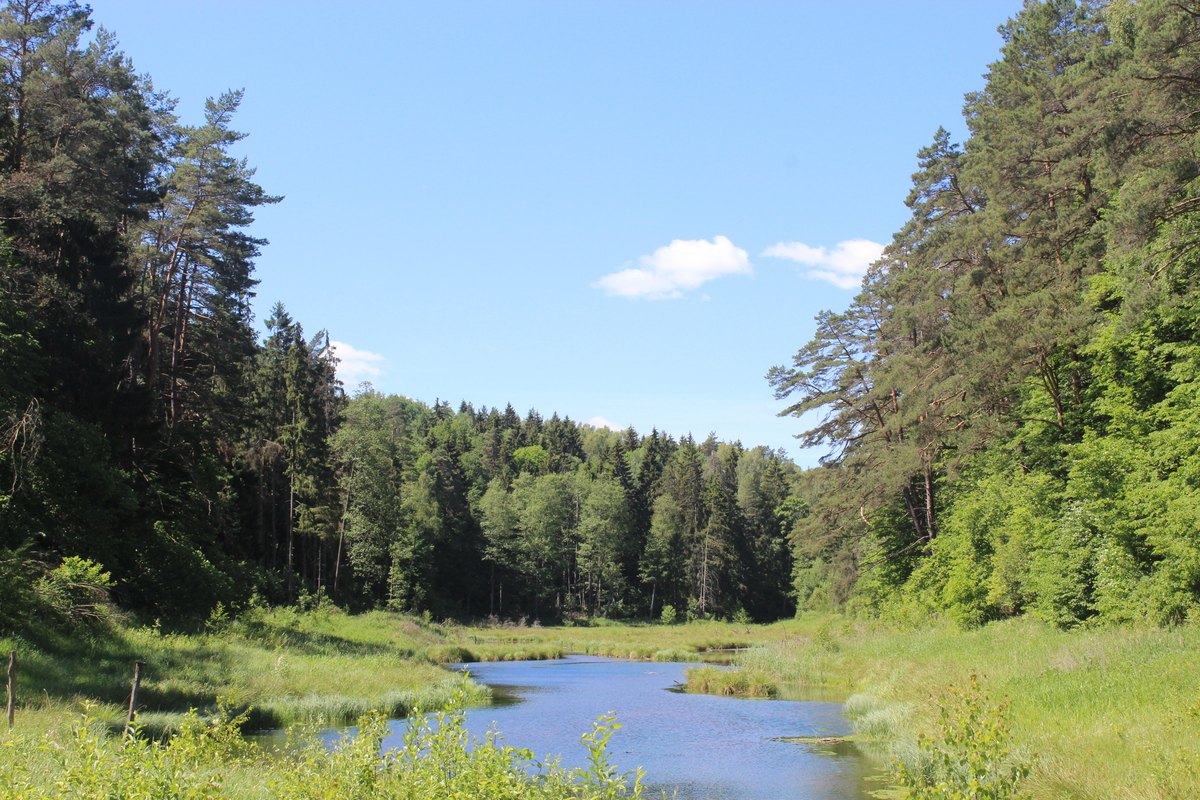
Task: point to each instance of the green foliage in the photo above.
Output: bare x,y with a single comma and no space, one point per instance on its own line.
78,590
145,426
970,759
669,614
22,605
1010,401
530,459
600,779
208,758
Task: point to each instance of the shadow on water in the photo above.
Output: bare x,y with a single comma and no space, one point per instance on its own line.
508,695
707,747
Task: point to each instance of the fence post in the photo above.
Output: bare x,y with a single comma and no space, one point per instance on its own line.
137,684
12,686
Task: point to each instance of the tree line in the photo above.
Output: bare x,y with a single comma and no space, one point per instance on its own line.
1010,404
146,429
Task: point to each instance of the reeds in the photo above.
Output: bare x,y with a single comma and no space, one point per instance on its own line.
1090,709
679,654
708,679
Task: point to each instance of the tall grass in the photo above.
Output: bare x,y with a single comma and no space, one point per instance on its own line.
715,680
695,641
450,654
1099,713
286,667
321,665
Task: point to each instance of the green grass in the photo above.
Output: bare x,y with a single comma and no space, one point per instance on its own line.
694,641
743,682
283,666
320,666
1099,713
271,669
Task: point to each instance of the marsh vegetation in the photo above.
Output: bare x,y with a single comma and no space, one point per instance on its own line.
1085,711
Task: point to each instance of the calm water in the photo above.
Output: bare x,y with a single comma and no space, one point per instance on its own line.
711,748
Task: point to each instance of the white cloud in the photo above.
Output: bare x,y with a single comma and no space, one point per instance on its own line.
842,266
679,266
355,365
601,422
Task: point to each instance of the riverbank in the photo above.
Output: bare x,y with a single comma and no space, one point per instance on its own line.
280,666
208,758
700,640
1095,713
321,666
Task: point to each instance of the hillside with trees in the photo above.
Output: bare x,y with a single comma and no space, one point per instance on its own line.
1011,402
1010,405
146,429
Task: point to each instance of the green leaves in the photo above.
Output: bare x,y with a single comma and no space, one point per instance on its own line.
970,759
1008,402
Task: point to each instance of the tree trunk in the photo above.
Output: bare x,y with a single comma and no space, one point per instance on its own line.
337,561
929,524
291,528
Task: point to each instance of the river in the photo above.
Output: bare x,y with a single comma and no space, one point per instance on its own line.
707,747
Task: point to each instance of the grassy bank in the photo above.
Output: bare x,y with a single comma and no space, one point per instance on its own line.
693,641
274,668
284,667
321,666
1096,713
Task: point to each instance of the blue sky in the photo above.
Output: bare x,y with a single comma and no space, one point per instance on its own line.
624,212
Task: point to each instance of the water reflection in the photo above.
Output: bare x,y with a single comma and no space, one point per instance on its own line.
711,748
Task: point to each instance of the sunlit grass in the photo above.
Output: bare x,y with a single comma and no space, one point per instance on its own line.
742,682
694,641
284,666
1101,713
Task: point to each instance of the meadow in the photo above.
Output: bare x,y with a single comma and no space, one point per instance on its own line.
1087,714
1092,713
274,668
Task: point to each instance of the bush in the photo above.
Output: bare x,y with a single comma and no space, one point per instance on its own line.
971,760
78,589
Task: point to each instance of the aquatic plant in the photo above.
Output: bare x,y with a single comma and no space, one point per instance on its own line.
708,679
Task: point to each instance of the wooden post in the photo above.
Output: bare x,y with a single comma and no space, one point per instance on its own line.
137,683
12,686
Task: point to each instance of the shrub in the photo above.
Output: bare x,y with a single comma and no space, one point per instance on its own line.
78,589
971,759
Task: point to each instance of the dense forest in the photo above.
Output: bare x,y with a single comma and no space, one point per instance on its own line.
151,444
1012,401
1010,406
